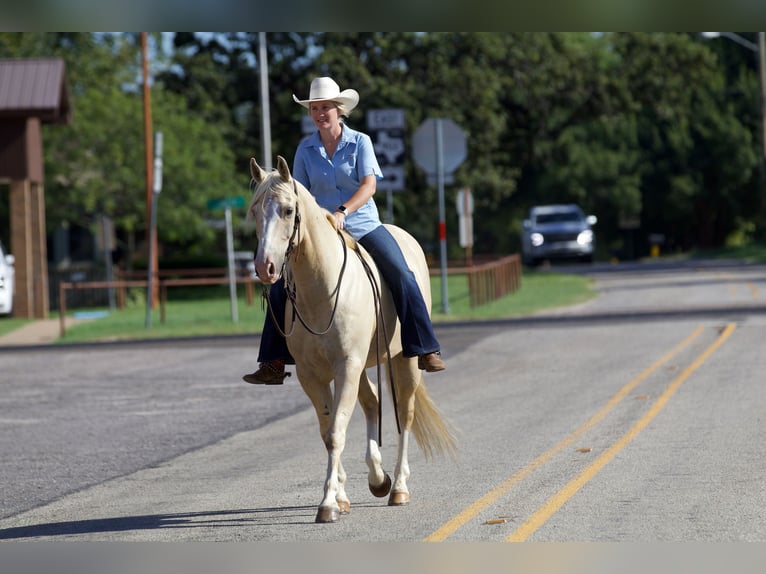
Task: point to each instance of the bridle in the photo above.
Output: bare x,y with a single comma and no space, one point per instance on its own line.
380,324
290,287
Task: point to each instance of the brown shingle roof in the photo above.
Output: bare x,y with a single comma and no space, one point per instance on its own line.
34,87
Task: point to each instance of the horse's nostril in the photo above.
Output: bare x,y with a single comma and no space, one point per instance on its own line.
271,269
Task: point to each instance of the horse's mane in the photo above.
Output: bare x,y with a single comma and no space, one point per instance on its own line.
277,186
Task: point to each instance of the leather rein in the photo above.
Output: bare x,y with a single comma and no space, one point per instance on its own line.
380,323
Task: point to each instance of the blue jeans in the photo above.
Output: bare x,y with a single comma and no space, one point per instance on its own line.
418,336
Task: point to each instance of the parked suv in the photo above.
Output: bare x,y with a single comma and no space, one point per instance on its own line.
6,281
557,232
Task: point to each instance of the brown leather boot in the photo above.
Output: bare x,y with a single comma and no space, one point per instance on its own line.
269,373
431,362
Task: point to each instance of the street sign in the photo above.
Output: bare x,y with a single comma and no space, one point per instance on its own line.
393,178
464,204
224,202
390,148
385,119
307,125
386,130
424,145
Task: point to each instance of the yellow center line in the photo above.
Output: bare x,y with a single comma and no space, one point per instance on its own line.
557,501
452,525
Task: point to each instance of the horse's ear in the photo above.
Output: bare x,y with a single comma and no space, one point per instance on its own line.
256,171
283,169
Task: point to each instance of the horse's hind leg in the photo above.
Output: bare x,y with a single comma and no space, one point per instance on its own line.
377,479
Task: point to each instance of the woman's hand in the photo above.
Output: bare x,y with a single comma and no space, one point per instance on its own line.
340,220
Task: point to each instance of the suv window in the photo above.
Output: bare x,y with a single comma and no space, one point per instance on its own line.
559,217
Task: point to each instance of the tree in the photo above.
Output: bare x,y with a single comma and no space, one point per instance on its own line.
96,165
694,163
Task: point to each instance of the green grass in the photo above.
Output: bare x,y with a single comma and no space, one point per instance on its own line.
751,253
205,316
183,318
539,291
8,324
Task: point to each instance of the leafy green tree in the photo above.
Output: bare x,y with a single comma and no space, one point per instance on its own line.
696,155
660,128
96,165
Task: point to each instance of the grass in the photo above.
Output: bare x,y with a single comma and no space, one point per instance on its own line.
8,324
751,253
539,291
187,317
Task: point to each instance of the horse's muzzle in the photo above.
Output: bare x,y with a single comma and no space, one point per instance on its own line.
267,272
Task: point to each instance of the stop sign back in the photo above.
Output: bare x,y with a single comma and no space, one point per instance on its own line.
424,145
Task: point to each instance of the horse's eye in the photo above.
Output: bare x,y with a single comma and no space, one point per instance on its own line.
289,211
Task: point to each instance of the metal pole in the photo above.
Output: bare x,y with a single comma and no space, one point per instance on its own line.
150,287
106,226
153,273
263,64
442,212
230,259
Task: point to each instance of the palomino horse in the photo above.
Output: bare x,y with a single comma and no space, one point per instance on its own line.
336,335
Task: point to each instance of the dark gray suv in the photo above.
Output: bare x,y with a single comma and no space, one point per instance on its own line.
557,232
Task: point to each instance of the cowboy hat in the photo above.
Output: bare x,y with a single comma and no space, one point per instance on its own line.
324,89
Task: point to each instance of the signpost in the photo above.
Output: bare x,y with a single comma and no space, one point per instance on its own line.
439,147
386,129
226,204
464,203
156,189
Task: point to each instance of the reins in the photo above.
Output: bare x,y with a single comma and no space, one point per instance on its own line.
380,323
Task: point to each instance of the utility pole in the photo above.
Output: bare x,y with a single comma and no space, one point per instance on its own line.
152,260
263,65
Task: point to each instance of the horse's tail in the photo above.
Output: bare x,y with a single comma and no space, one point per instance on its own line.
433,433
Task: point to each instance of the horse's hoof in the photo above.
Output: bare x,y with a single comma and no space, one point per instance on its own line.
344,506
383,489
399,499
325,515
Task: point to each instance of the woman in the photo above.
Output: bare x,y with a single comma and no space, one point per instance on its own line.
338,166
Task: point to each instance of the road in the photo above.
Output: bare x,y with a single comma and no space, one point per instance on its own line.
635,417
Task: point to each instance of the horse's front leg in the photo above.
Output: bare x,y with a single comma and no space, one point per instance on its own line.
377,479
407,378
346,390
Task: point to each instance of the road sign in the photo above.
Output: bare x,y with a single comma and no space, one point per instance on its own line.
307,125
464,203
385,119
224,202
391,148
386,129
425,145
393,178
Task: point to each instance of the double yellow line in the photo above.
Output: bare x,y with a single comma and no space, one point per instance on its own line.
539,517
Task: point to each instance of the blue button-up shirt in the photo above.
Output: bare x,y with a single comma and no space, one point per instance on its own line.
332,181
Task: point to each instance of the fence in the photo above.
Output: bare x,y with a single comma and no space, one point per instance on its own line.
491,280
171,279
486,282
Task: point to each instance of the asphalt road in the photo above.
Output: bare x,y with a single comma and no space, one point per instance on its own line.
635,417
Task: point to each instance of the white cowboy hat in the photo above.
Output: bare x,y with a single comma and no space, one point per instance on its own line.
323,89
